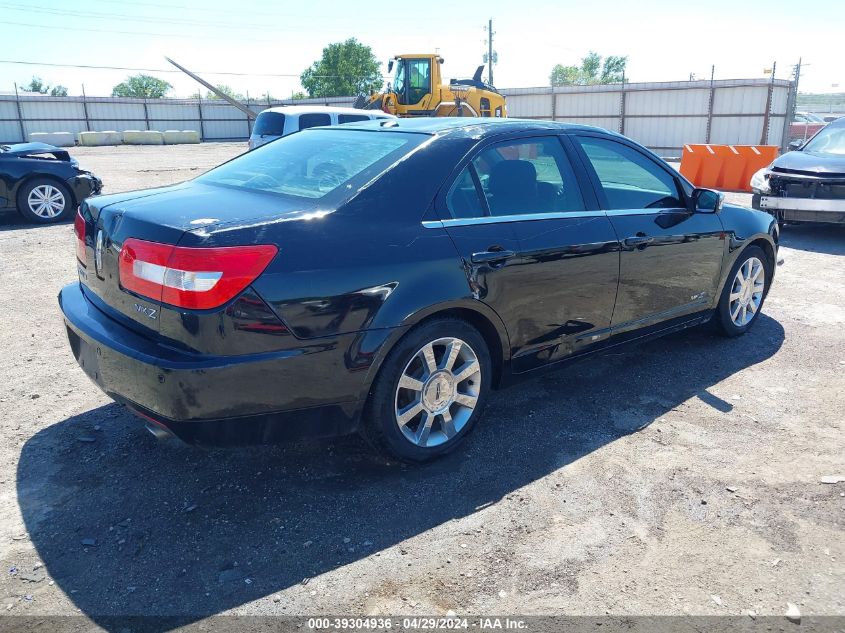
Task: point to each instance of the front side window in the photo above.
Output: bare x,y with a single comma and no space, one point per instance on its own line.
314,164
629,179
314,119
528,176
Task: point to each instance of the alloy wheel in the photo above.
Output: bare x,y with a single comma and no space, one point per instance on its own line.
747,291
46,201
438,392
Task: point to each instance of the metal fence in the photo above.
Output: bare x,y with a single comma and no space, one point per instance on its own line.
662,116
666,116
214,119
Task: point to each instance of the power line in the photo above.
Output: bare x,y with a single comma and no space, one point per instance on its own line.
163,70
135,18
113,31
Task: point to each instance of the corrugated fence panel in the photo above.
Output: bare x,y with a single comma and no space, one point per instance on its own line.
173,111
608,123
10,128
174,124
114,112
538,106
665,132
595,104
656,102
743,100
52,110
218,130
775,130
737,130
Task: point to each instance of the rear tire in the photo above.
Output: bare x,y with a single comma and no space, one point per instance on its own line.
744,292
44,201
430,391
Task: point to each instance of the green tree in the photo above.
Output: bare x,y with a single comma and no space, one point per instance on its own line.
613,70
590,71
145,86
226,90
58,91
298,95
36,84
345,69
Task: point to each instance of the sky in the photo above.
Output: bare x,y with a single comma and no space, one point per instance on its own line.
665,40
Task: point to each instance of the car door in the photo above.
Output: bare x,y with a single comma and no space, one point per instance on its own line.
671,255
560,276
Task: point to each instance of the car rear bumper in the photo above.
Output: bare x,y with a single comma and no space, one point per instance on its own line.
801,209
214,400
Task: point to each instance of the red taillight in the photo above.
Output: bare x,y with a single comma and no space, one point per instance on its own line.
194,278
79,230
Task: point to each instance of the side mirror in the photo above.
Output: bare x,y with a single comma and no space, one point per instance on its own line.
707,200
795,145
390,67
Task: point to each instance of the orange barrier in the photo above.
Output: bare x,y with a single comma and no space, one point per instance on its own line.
728,167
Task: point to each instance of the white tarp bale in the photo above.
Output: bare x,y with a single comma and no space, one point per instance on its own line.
143,137
174,137
109,137
59,139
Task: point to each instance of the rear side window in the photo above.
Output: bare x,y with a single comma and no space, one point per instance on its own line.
629,179
269,124
351,118
528,176
314,119
314,164
463,200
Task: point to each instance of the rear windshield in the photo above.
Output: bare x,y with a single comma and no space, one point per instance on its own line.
269,124
314,163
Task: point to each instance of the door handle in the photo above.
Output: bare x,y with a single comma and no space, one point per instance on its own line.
491,256
638,240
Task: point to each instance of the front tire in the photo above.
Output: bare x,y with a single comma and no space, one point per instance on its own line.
44,201
744,292
429,392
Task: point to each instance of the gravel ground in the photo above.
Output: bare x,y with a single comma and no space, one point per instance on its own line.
679,477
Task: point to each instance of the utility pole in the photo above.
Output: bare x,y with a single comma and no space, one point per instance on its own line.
490,57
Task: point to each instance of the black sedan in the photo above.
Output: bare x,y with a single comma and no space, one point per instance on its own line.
808,184
385,277
43,182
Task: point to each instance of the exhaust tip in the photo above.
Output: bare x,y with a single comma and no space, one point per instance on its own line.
159,432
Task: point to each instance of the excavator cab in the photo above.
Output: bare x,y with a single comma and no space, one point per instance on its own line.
412,81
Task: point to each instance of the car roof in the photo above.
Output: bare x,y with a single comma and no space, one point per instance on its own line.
306,109
468,125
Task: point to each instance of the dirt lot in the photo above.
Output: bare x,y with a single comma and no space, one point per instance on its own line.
680,477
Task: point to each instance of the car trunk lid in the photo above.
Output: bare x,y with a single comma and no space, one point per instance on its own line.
159,215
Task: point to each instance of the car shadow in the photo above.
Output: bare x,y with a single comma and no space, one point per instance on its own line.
11,220
179,531
817,238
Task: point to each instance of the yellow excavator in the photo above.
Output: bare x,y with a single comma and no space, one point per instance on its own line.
417,90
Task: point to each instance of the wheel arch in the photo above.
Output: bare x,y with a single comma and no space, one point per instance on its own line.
477,314
764,241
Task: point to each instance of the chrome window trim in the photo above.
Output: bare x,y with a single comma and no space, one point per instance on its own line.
497,219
